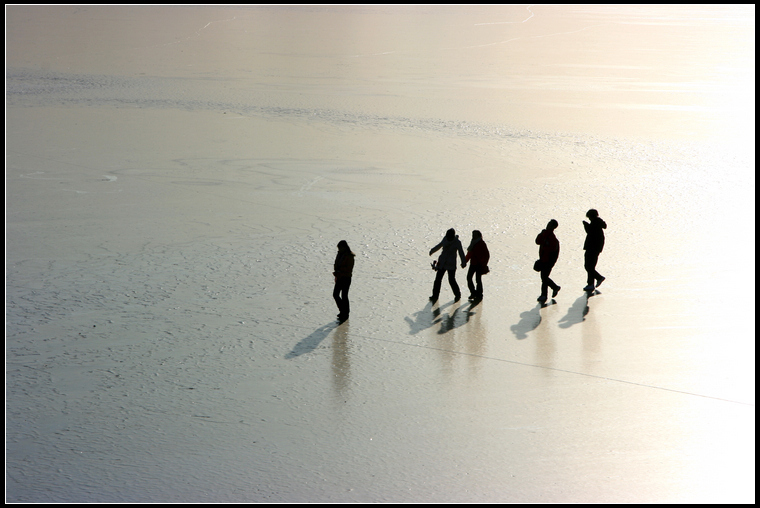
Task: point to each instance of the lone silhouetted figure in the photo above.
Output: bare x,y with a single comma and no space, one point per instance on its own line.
478,256
548,253
447,262
593,246
343,269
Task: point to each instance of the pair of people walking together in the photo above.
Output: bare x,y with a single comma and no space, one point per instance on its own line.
548,254
477,255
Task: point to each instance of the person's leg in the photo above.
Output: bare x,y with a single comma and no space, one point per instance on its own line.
470,285
340,293
555,287
479,281
591,258
547,283
336,295
545,271
453,284
598,276
346,307
437,284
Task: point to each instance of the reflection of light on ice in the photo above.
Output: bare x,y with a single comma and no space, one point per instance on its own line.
711,456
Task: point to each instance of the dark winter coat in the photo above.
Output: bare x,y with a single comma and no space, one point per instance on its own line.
344,264
594,234
478,255
548,252
449,248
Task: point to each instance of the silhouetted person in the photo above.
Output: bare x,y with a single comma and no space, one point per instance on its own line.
548,253
593,246
344,267
478,256
447,262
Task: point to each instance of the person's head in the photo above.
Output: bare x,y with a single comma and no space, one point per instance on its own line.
476,234
592,214
552,225
451,234
343,246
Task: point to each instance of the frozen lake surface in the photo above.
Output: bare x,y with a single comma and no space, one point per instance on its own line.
177,180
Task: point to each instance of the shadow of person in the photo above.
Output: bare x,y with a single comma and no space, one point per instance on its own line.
576,313
422,319
447,322
425,318
529,321
310,343
455,319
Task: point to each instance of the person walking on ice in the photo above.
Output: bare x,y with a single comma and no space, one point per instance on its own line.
593,246
478,256
447,263
343,269
548,253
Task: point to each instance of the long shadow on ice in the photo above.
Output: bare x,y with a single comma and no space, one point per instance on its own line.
424,318
430,316
310,343
460,316
577,313
529,321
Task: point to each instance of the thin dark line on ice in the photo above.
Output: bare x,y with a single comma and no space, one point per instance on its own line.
530,365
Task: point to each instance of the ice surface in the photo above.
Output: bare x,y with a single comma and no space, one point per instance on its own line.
177,180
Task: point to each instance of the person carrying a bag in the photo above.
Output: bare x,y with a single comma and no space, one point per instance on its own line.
548,253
